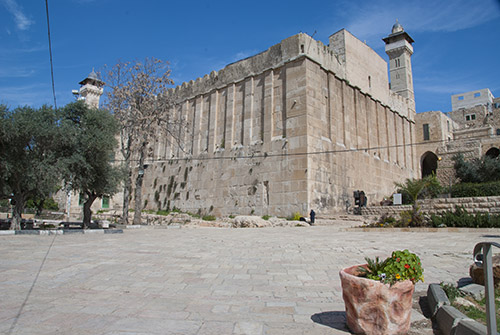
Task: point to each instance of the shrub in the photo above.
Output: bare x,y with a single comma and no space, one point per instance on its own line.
48,204
461,190
462,219
265,217
295,217
451,291
476,170
208,218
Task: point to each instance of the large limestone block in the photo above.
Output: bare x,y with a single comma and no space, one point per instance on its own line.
477,273
250,222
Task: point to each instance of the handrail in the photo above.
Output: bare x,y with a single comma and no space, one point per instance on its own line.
483,259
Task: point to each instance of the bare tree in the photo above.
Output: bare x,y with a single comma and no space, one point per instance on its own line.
137,96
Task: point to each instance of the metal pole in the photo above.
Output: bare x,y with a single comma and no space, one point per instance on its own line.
491,321
484,261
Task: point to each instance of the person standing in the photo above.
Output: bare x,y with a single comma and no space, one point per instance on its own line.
312,215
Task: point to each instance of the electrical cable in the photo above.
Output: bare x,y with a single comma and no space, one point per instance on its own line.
50,53
265,155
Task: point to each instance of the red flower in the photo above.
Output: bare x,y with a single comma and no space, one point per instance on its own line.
398,259
407,266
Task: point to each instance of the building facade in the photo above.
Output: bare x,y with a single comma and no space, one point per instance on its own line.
299,126
472,128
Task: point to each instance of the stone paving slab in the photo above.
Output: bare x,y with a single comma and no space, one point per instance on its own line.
202,281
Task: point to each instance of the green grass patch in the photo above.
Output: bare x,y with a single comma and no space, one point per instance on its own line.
162,212
477,312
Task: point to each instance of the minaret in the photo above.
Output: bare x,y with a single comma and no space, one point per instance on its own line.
91,89
399,49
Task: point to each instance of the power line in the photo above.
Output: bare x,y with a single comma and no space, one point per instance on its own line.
266,155
50,53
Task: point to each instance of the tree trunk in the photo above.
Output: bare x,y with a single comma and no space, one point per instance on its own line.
17,211
87,212
126,193
138,186
126,152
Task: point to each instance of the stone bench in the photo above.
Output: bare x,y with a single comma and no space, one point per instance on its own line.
70,224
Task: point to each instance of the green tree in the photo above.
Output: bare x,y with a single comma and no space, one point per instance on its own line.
476,170
29,164
415,188
88,153
466,171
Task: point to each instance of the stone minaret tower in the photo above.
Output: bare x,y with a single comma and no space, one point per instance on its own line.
398,46
91,90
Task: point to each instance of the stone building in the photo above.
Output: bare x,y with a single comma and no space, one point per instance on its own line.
472,128
299,126
91,90
296,127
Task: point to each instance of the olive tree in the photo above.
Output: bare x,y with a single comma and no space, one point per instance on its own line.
29,164
87,154
136,95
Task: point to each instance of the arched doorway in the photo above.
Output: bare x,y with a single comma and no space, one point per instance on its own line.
428,163
493,152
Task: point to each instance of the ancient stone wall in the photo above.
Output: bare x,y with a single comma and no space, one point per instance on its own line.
368,143
281,132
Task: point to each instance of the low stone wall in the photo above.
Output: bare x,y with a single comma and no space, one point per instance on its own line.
433,206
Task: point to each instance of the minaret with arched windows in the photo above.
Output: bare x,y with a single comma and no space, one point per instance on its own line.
398,46
91,89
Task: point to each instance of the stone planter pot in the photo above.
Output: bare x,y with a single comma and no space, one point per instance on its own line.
373,307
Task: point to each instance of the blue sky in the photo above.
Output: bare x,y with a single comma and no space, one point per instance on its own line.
456,45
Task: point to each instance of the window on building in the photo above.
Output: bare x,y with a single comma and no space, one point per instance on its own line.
426,132
448,125
470,117
498,131
477,95
105,202
461,97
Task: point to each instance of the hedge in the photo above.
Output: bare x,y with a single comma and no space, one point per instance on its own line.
461,218
462,190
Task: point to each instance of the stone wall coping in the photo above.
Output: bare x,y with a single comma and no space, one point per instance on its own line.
60,232
449,319
425,229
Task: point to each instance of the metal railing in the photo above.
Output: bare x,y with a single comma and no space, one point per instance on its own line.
483,259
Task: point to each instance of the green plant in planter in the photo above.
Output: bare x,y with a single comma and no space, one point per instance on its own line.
402,265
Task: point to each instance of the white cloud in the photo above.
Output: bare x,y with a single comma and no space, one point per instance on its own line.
371,20
16,72
30,95
22,21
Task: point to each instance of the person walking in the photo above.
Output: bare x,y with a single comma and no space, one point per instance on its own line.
312,215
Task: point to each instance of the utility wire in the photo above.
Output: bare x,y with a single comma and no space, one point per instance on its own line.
50,53
265,155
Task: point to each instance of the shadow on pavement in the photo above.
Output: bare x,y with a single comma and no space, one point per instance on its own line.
334,319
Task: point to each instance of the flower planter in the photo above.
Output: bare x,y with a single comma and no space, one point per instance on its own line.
373,307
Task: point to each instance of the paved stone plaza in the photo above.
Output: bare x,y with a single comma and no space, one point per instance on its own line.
203,281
